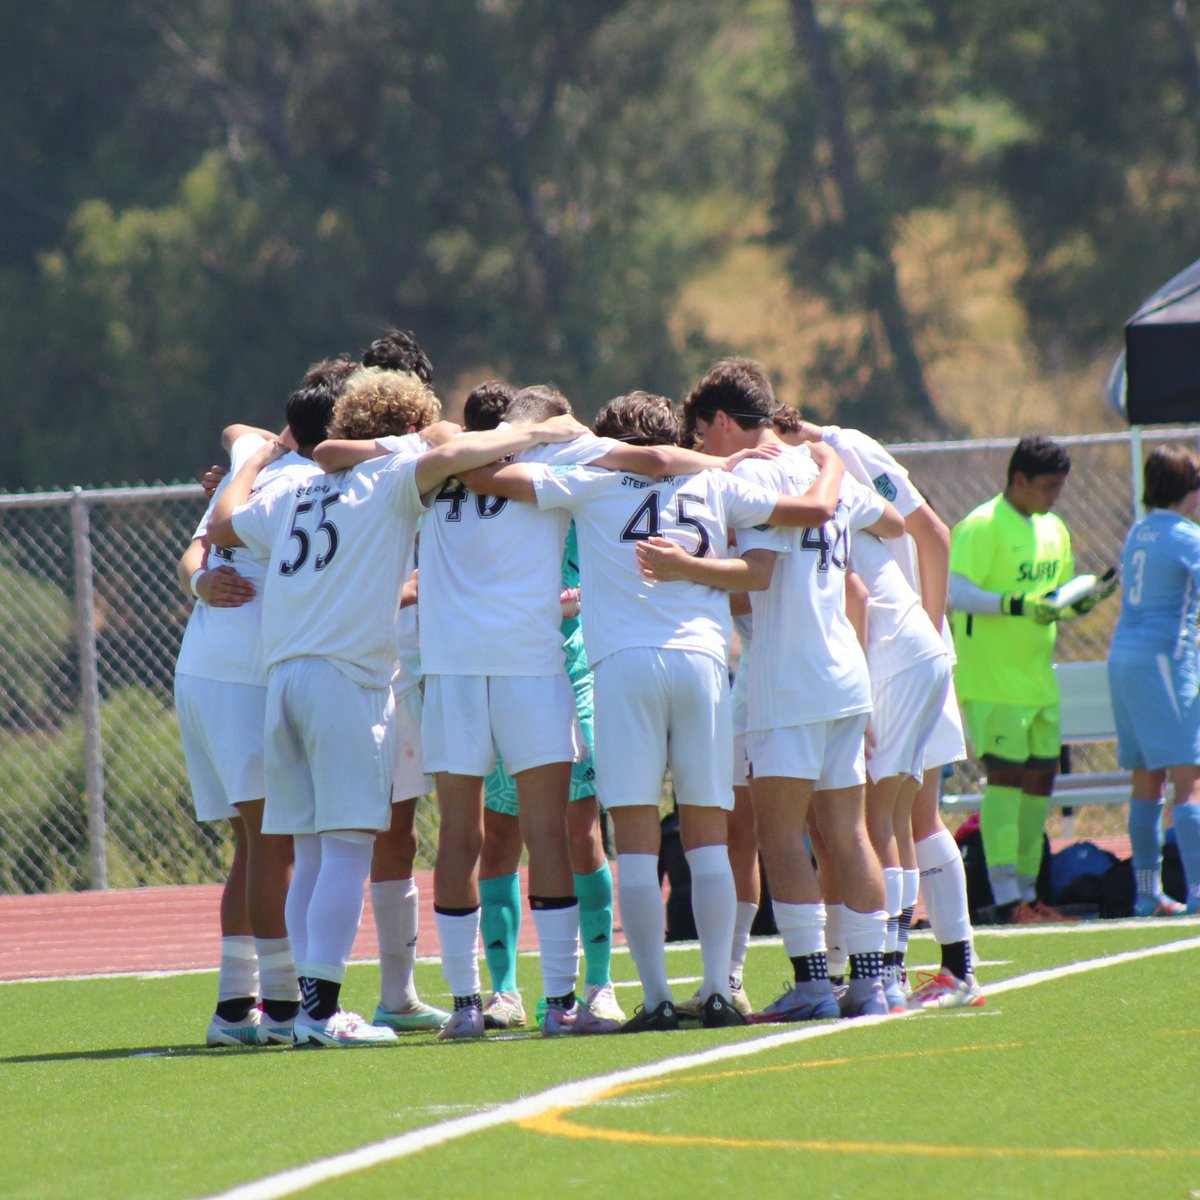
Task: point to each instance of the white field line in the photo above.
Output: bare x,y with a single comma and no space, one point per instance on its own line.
1083,927
585,1091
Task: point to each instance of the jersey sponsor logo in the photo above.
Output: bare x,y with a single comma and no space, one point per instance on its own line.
1038,572
884,486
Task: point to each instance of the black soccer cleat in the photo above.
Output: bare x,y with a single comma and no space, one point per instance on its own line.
662,1019
719,1013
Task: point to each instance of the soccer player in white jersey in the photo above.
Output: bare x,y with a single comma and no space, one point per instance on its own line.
339,545
661,682
808,700
395,898
500,857
743,840
220,700
909,667
929,856
495,680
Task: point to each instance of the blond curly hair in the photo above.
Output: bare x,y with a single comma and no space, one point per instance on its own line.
380,403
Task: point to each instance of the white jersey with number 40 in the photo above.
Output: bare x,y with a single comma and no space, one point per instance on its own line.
491,573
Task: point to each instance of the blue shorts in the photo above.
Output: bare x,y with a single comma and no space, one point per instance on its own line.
1157,711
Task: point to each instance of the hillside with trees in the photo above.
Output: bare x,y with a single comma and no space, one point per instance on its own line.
929,218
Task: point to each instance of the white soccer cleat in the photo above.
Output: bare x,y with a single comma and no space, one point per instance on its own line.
504,1010
246,1032
416,1015
944,990
739,999
341,1029
600,1013
277,1033
601,999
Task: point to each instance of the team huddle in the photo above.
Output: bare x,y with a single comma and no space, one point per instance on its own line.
561,648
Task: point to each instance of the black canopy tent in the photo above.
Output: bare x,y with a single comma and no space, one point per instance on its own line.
1156,378
1156,381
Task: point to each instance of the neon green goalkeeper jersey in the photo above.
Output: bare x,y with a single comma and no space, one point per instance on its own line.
1008,660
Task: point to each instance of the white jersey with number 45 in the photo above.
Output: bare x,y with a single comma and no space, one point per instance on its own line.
614,511
338,548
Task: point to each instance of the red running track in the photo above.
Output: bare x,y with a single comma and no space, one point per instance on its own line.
176,928
147,929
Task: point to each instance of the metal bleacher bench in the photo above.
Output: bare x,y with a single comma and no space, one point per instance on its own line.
1086,715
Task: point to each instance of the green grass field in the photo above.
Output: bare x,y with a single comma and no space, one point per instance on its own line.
1081,1085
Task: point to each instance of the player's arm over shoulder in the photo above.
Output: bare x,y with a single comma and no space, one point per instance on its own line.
889,523
512,481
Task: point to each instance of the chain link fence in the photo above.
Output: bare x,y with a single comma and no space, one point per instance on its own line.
93,790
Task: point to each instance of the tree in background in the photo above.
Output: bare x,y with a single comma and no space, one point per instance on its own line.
201,198
850,246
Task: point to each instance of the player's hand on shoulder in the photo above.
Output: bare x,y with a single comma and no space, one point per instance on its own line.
440,432
223,587
770,450
564,428
822,453
211,478
661,559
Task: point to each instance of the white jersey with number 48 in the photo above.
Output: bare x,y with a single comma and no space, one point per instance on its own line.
805,663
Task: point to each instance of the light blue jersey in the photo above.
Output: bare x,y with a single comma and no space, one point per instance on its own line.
1160,599
1152,660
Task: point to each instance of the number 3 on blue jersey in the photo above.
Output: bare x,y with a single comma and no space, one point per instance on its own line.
646,522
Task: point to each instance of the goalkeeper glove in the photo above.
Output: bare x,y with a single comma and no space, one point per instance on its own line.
1105,586
1043,611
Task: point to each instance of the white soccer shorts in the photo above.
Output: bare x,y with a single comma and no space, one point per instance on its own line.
830,753
530,720
947,745
221,726
328,750
409,777
741,763
908,709
659,708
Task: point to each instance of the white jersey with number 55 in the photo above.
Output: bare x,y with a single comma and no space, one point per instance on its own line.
338,548
614,511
